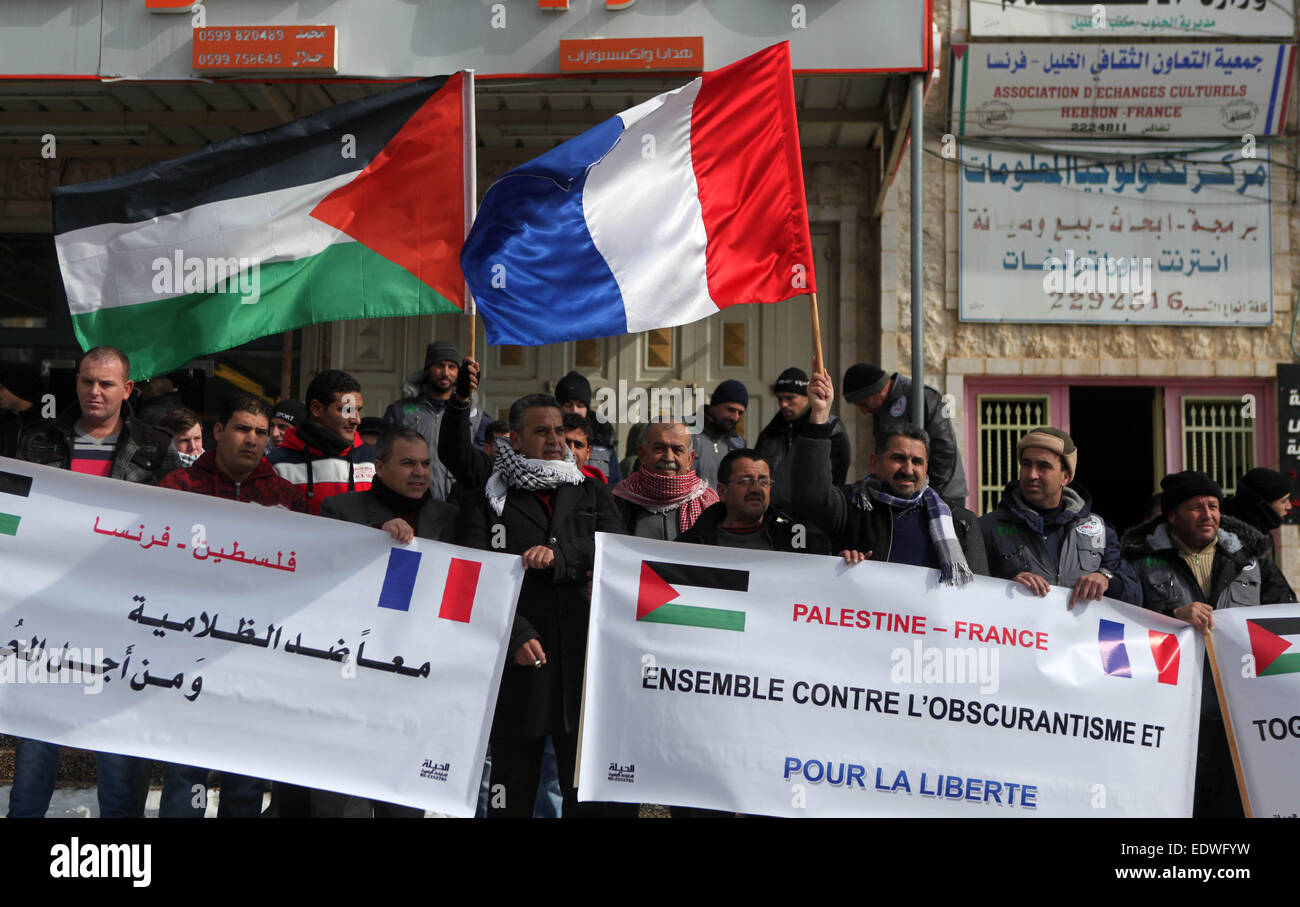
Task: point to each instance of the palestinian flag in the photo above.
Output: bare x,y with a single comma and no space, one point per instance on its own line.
1273,644
358,211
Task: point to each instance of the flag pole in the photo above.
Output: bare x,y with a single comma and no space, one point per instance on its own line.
818,362
469,117
1227,724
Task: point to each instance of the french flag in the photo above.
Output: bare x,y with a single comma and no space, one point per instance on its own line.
1165,652
662,215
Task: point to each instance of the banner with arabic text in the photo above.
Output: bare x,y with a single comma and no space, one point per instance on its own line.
1091,233
795,685
1084,20
249,639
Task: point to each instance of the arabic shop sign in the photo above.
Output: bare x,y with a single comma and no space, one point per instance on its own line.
1288,432
266,48
1088,21
631,54
1084,233
1121,90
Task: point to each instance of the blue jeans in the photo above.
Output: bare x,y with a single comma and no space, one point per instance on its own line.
185,794
549,802
123,782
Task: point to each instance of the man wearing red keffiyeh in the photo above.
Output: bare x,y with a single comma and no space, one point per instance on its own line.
663,498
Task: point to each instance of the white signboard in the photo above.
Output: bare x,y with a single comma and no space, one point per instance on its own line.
794,685
231,636
1087,20
1143,234
1130,91
1258,651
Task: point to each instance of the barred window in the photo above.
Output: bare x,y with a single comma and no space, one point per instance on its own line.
1218,439
1003,421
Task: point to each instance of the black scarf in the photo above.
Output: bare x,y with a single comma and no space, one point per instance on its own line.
395,500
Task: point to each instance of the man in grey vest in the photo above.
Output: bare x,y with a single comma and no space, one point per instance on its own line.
1191,561
423,411
1044,532
888,400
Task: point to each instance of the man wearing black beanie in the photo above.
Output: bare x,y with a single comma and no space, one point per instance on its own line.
717,436
574,393
1191,561
888,400
776,439
1263,500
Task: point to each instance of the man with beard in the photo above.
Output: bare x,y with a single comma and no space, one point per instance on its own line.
664,496
424,411
718,436
574,393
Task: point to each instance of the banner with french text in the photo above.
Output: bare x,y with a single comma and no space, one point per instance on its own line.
795,685
1258,651
206,632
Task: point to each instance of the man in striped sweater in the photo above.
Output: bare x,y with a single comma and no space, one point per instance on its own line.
325,455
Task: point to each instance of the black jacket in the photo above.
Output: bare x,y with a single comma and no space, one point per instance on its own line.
774,445
1255,511
828,506
947,476
437,519
781,532
553,604
143,454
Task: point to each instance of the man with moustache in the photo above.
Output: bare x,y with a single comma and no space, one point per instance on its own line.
663,497
424,412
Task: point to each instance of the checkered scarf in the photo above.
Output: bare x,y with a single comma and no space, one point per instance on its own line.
510,470
953,568
659,493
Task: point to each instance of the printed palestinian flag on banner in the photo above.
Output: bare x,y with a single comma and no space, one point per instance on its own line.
1273,642
358,211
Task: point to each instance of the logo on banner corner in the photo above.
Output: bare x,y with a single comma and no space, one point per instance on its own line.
657,590
1165,652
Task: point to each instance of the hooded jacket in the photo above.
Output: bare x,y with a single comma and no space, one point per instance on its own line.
262,486
323,464
143,453
1060,547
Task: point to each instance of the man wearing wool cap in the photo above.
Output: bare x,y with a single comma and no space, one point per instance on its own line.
1191,561
718,436
1044,532
888,400
776,440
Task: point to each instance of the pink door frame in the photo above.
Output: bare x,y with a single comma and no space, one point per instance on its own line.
1058,392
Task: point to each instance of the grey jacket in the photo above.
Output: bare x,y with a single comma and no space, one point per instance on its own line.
709,450
947,476
424,415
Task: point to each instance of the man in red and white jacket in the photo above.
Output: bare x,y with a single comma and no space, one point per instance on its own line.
325,456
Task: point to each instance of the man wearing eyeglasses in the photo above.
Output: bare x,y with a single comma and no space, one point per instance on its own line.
744,517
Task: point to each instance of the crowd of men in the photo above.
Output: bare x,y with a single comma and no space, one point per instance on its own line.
548,478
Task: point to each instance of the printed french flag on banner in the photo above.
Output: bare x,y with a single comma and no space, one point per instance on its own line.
662,215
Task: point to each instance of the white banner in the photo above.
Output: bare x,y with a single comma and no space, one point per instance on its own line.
1085,20
1121,91
1258,651
1084,233
793,685
231,636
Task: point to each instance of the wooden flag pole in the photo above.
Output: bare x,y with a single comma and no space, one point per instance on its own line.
816,337
1227,724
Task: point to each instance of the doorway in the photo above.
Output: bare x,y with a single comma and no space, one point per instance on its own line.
1111,427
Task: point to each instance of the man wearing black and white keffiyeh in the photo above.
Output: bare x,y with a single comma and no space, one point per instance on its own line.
536,503
892,514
